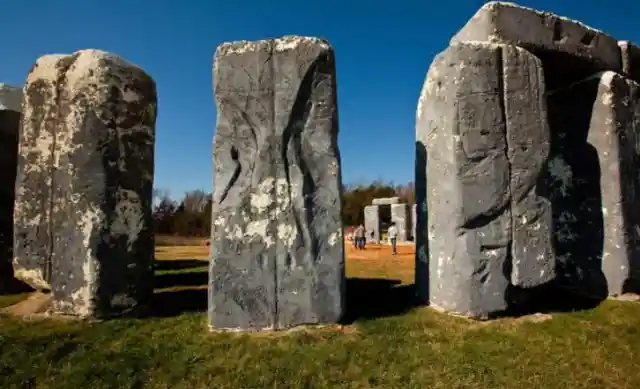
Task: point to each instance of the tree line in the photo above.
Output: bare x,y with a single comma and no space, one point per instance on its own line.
191,215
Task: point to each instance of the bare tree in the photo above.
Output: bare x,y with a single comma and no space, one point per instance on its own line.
195,201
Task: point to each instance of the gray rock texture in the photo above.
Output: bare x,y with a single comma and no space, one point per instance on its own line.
10,108
84,184
483,138
576,49
401,216
615,135
372,223
630,60
386,201
277,245
592,180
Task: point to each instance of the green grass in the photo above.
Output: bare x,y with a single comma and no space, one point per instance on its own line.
389,345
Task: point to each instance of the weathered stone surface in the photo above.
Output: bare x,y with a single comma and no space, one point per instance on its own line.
386,201
372,223
592,181
481,127
630,60
615,134
578,50
400,215
10,108
528,148
84,184
277,246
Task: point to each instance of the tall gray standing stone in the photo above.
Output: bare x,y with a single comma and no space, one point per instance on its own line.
83,225
277,246
486,142
615,135
10,108
400,215
372,223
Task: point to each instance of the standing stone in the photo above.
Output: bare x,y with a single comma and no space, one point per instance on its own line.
277,246
615,134
630,60
478,129
400,215
10,108
372,223
528,147
84,184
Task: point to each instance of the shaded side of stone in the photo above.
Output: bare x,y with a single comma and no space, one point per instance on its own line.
630,60
572,182
277,245
372,223
581,49
475,146
87,141
528,139
400,215
613,133
9,128
33,238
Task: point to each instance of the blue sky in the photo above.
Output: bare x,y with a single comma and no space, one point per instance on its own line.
383,50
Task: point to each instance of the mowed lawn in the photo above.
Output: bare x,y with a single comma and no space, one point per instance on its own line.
385,342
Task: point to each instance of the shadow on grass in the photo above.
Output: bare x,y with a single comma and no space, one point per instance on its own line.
178,264
181,280
176,302
553,297
183,290
372,298
367,298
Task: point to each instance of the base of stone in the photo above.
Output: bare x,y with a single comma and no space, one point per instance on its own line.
276,332
460,315
626,297
532,317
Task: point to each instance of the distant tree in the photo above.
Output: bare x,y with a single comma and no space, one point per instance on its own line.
355,198
163,214
191,216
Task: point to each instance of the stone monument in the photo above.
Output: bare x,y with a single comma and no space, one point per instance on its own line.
372,223
517,121
83,224
399,215
277,246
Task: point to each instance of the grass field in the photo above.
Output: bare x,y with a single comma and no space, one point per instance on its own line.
385,343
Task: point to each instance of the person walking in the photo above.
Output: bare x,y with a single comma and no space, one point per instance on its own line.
392,235
360,236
